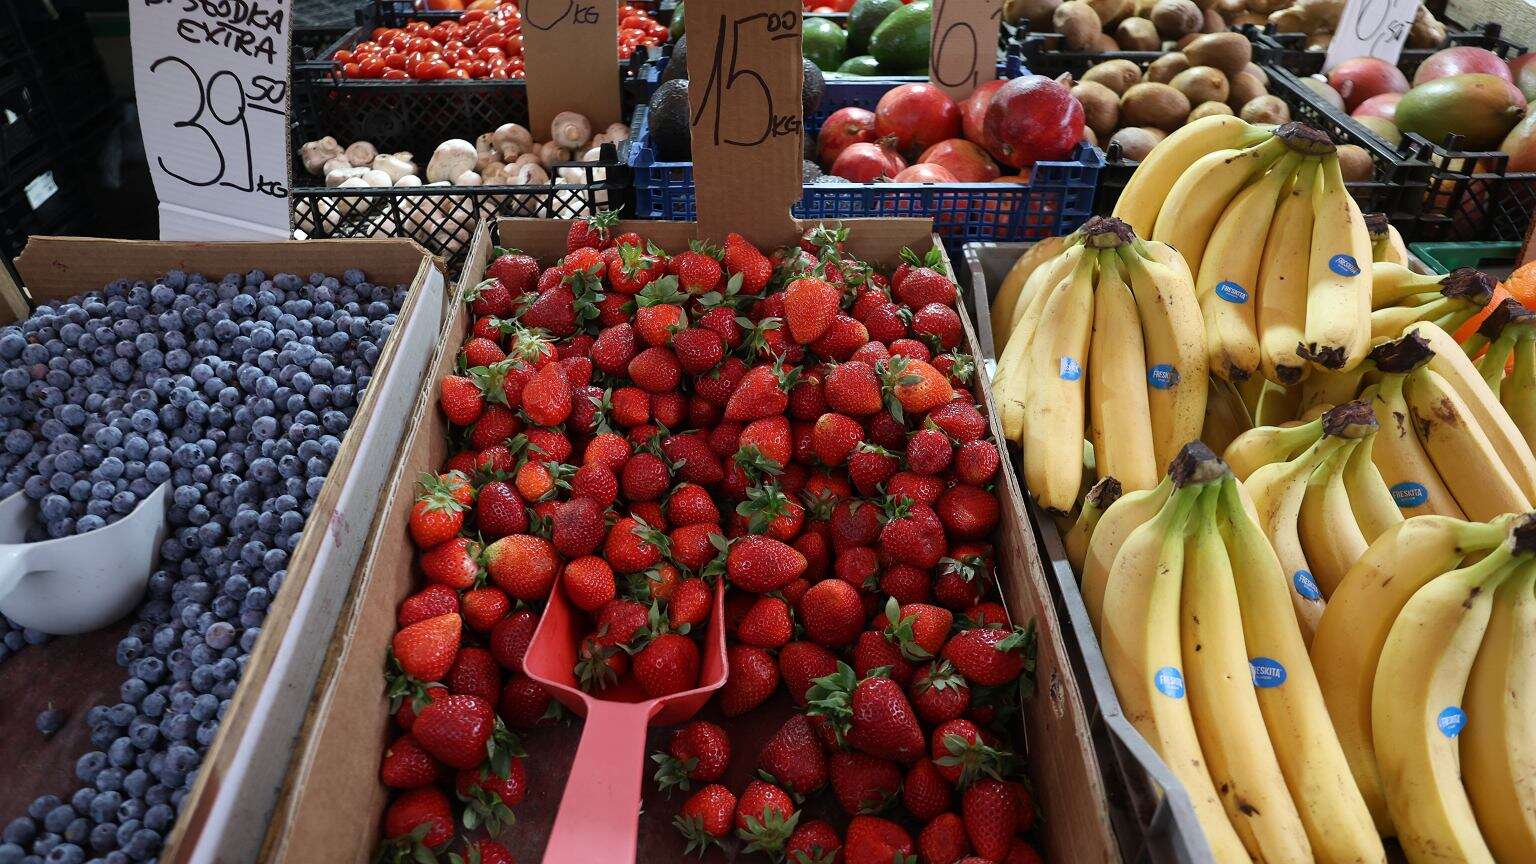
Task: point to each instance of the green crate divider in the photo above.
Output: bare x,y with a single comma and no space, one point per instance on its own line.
1445,257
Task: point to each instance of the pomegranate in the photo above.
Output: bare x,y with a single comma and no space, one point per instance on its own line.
968,162
1461,60
1360,78
1383,105
917,116
846,126
973,110
1033,119
866,162
925,172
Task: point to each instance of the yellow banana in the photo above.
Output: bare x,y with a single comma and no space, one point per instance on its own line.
1010,384
1201,194
1283,278
1386,244
1122,517
1369,498
1119,418
1143,195
1338,327
1174,340
1077,538
1518,395
1349,639
1277,403
1409,474
1498,747
1328,388
1011,292
1329,534
1263,445
1225,416
1338,824
1463,455
1391,284
1054,395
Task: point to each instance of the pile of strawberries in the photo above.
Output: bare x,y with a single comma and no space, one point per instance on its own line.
632,427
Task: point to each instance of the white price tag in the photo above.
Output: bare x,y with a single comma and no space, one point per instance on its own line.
1371,28
212,88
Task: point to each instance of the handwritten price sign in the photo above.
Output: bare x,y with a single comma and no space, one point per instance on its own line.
212,84
962,52
1371,28
571,60
745,73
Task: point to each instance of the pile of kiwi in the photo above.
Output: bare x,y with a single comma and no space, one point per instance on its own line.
1118,25
1318,18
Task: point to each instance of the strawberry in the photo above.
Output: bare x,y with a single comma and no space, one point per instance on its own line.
884,321
968,512
976,462
809,304
588,582
794,757
655,370
1020,852
920,629
768,510
700,751
989,614
959,420
765,817
620,621
939,693
645,478
834,437
452,563
614,348
460,731
522,565
706,817
422,815
751,679
547,396
437,514
806,400
689,605
943,840
762,564
1023,805
659,312
525,703
863,783
599,666
434,600
592,232
814,842
696,272
886,431
910,349
741,257
633,546
844,338
489,798
404,711
691,504
669,663
923,285
913,387
481,351
870,465
407,765
767,624
483,607
852,388
800,663
770,437
633,269
596,484
483,851
693,546
918,488
832,613
873,654
938,324
631,407
870,840
475,673
608,450
990,656
990,820
500,511
912,534
698,349
721,320
762,392
514,270
906,583
872,714
925,792
928,451
556,310
962,756
425,650
577,529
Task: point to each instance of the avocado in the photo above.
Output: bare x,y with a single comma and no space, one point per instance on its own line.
677,62
901,40
1480,108
676,29
860,65
667,122
824,43
812,90
863,18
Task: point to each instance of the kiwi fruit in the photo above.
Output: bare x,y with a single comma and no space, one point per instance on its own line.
1266,109
1103,42
1354,163
1076,21
1111,12
1035,13
1258,72
1206,109
1165,68
1201,84
1229,52
1243,88
1137,141
1101,106
1175,18
1214,23
1118,75
1319,41
1137,34
1322,89
1157,105
1385,129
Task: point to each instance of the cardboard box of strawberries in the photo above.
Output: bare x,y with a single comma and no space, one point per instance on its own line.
799,429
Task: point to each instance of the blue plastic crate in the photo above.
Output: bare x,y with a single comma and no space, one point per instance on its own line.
1058,198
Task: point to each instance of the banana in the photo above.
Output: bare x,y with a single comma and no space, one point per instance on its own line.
1491,366
1174,340
1143,196
1055,369
1389,323
1277,403
1011,292
1338,327
1369,498
1047,274
1461,452
1459,371
1391,284
1360,613
1518,395
1010,384
1127,514
1076,539
1283,277
1328,388
1202,193
1263,445
1228,273
1142,650
1338,823
1329,533
1223,701
1225,415
1119,417
1498,747
1404,465
1416,712
1388,248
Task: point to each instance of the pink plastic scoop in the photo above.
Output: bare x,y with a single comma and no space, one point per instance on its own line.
599,815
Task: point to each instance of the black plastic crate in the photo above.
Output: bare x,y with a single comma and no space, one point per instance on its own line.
1473,195
22,134
43,195
394,13
1287,49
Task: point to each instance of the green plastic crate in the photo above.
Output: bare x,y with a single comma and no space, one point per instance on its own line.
1496,258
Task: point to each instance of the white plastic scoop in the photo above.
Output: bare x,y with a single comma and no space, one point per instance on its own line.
82,583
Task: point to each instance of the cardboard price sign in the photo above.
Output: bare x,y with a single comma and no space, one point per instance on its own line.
745,82
212,84
962,52
571,61
1371,28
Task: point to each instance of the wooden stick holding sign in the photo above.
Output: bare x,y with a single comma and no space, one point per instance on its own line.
571,61
745,82
962,51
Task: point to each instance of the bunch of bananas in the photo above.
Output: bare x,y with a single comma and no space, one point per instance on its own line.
1280,251
1210,665
1426,656
1099,341
1401,298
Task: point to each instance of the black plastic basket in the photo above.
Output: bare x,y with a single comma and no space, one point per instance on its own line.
1287,49
394,13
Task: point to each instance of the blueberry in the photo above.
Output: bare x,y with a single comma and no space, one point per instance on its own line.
58,818
10,853
20,831
50,720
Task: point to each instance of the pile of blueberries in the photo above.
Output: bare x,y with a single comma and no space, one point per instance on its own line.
236,392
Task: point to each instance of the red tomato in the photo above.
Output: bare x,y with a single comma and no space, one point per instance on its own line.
394,75
342,56
476,68
373,67
351,70
430,69
458,74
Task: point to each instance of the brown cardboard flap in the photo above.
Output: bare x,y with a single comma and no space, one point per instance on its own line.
745,83
962,53
571,55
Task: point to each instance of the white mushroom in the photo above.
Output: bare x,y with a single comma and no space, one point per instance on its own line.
528,159
396,165
570,130
378,179
592,155
485,151
349,205
467,178
338,163
551,153
451,158
510,151
315,154
338,176
408,180
361,153
617,132
513,133
529,174
571,176
495,174
598,140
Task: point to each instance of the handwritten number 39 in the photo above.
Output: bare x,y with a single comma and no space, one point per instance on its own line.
207,103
